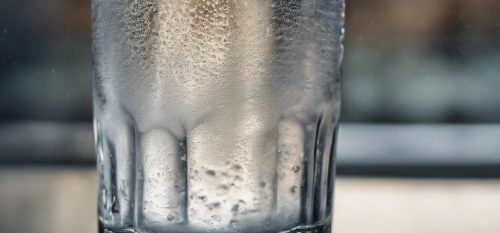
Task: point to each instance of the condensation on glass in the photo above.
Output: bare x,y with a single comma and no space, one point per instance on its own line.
216,115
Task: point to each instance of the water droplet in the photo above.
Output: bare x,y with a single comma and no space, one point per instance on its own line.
216,218
235,208
262,184
202,198
293,189
214,205
236,167
296,169
233,223
211,172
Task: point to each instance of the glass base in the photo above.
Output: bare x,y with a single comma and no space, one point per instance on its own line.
319,228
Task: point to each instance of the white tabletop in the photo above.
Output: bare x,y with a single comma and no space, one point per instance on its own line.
49,200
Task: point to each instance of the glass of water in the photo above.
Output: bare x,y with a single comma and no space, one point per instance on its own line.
216,115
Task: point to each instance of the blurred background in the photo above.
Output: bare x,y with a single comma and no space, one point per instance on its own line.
418,149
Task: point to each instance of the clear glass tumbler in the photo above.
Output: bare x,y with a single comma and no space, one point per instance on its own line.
216,115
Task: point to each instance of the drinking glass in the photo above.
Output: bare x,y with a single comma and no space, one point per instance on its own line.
216,115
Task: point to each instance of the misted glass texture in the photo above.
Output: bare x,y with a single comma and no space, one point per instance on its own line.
216,115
